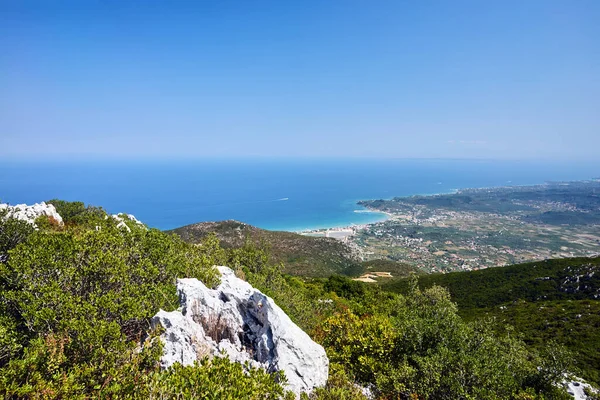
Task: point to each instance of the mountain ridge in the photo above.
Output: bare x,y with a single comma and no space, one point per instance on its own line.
300,254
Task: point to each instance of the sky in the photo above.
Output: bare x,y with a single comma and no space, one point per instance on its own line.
340,78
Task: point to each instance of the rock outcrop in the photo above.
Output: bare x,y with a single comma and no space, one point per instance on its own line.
576,387
242,323
120,218
30,213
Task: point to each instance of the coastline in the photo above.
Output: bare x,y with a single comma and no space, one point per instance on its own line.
338,229
344,232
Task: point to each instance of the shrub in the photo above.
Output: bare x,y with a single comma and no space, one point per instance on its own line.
345,287
48,223
94,294
216,379
12,232
76,213
10,343
339,387
426,350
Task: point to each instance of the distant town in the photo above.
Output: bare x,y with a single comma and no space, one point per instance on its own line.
481,228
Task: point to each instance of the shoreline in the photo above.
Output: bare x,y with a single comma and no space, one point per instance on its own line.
343,232
319,231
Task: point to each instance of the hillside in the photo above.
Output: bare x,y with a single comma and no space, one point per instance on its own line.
81,289
562,279
301,255
544,301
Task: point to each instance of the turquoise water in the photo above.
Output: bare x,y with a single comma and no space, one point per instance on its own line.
272,194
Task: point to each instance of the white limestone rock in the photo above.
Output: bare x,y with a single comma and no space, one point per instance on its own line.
121,221
30,213
576,387
243,323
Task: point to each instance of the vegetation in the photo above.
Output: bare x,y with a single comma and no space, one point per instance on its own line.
547,300
427,351
213,380
562,279
76,213
572,323
75,304
417,345
12,232
300,255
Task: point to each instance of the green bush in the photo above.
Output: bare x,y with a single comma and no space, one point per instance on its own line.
75,306
544,300
216,379
76,213
94,292
10,339
56,279
339,387
427,351
46,370
345,287
12,232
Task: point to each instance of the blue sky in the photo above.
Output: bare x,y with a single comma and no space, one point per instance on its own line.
423,79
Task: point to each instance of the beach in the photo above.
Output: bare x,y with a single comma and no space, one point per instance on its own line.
344,233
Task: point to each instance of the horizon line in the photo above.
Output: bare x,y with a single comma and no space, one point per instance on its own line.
176,159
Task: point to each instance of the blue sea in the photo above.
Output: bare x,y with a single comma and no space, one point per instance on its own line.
273,194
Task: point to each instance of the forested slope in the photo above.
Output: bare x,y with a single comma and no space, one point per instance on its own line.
300,255
546,300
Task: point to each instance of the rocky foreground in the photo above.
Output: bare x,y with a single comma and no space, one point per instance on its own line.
30,213
238,321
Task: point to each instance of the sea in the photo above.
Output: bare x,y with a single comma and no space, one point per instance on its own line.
275,194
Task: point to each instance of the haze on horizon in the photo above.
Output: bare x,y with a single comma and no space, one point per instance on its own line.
347,78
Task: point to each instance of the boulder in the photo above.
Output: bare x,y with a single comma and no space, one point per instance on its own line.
30,213
239,321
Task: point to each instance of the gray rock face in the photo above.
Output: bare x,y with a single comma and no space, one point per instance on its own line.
30,213
245,325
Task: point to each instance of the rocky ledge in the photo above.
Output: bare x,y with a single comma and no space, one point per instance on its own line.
30,213
238,321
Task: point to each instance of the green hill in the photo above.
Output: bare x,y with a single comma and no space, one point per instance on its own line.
547,300
301,255
562,279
